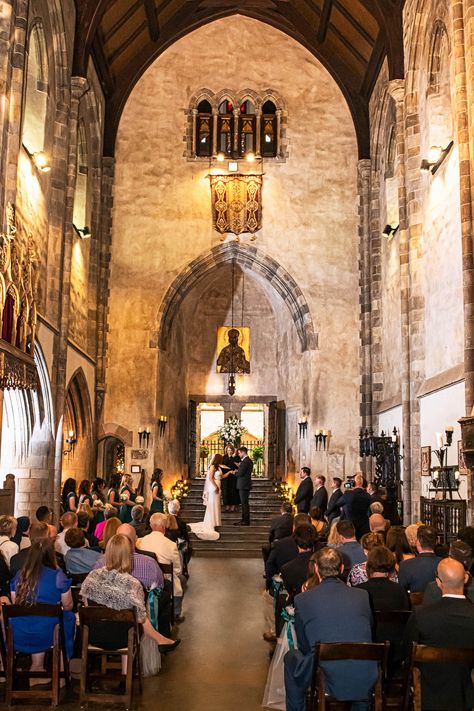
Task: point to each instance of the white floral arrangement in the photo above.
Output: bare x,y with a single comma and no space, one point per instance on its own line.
232,430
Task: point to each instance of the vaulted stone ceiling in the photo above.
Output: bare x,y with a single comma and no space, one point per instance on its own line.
350,37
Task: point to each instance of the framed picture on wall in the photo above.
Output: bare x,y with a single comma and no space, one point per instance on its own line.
463,470
136,469
425,461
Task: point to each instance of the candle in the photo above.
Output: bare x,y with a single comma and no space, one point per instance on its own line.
324,433
456,475
394,438
439,440
449,428
435,475
148,430
317,433
71,434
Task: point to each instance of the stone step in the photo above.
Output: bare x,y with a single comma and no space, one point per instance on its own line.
227,553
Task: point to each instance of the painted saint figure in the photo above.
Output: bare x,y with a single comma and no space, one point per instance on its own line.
232,358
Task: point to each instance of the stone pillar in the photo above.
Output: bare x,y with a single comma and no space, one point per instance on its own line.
278,133
7,19
194,132
78,87
396,89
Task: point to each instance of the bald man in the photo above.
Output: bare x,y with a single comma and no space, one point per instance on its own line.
446,623
377,523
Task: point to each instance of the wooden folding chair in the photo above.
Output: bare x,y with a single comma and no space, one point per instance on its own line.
90,615
57,649
344,651
422,654
167,570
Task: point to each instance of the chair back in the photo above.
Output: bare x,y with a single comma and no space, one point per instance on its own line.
416,598
38,610
98,613
78,578
166,568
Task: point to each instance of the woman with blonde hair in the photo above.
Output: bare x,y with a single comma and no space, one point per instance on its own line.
334,539
206,529
114,587
110,529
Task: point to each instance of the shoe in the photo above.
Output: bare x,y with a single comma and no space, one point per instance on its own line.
166,648
269,637
179,618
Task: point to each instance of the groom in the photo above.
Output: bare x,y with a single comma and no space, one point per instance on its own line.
244,483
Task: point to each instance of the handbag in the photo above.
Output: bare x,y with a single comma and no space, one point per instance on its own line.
274,696
150,656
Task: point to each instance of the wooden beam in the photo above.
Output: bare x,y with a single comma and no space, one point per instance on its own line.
130,39
152,17
122,20
324,21
103,68
373,68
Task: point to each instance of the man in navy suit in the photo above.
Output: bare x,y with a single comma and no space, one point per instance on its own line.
330,612
416,573
334,510
304,492
244,483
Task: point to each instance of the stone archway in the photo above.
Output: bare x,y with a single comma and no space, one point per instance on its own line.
251,259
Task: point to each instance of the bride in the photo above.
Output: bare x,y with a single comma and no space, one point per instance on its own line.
206,530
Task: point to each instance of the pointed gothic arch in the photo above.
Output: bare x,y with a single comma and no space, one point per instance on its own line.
251,259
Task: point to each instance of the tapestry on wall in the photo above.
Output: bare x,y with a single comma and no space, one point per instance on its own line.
233,350
236,203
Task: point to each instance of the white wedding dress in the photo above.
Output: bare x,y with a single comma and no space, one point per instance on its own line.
206,530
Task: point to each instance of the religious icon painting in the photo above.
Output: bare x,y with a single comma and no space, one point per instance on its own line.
233,349
425,461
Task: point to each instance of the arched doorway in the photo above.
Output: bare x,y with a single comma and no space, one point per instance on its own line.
110,457
78,454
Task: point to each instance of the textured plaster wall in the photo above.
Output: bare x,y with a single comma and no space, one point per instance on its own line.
162,222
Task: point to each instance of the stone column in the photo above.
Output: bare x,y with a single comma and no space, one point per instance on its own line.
7,43
278,133
396,89
78,87
194,132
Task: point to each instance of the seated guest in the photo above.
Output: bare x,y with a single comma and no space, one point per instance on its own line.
7,531
280,527
376,507
283,550
460,551
415,574
109,512
38,532
21,537
110,529
304,492
166,552
334,539
84,522
313,577
137,522
466,534
358,572
377,524
351,551
411,532
45,515
41,581
320,497
79,558
397,542
449,622
385,594
334,510
68,520
317,519
355,504
295,572
172,530
113,586
330,612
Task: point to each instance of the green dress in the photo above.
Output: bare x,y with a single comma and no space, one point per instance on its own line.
125,514
157,506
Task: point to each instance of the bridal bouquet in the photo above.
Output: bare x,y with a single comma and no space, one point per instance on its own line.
232,430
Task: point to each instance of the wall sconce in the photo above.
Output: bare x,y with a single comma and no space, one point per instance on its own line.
144,436
322,439
390,231
40,159
436,156
71,441
443,444
250,157
303,426
162,424
84,232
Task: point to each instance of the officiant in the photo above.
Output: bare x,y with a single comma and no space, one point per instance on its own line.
230,495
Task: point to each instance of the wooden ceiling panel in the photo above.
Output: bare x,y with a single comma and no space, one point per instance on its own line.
125,31
347,30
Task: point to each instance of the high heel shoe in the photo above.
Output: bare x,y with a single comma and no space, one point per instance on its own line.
166,648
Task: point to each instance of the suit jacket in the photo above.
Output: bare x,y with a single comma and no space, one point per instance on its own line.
295,572
244,474
304,494
432,592
446,623
355,507
334,612
320,499
415,573
281,527
333,508
352,553
282,551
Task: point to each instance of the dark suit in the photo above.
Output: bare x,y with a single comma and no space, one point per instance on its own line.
330,612
446,623
416,573
281,527
386,595
295,573
282,551
304,494
244,484
355,507
433,593
352,553
333,508
320,499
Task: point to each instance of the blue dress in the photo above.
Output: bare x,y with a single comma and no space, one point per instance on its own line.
35,634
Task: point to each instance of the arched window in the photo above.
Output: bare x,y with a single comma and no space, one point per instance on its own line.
439,107
391,181
247,142
80,195
225,128
204,129
269,130
35,91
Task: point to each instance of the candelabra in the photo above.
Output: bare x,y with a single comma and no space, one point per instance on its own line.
322,439
144,436
303,426
71,441
385,450
445,478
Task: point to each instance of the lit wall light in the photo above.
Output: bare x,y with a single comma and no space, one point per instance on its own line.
42,162
390,231
220,157
233,167
436,156
250,157
83,232
71,441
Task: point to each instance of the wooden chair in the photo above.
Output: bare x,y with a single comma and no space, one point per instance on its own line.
422,654
57,650
343,651
167,570
416,598
90,615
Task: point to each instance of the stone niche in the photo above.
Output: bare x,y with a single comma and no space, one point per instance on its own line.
309,228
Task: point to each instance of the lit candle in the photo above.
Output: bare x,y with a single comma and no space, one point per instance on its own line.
456,475
71,434
324,433
439,440
317,433
140,430
394,437
148,430
449,428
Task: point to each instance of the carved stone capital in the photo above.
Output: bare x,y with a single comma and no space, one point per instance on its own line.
364,168
396,89
79,86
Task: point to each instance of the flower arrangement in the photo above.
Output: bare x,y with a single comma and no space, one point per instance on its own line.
284,491
180,489
204,452
232,430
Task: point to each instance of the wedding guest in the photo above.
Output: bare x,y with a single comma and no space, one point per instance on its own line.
113,586
8,548
113,496
69,496
415,574
334,510
98,490
376,508
174,508
466,534
79,558
110,529
355,504
109,512
157,494
373,492
411,533
84,523
313,577
41,581
45,515
304,492
317,519
397,542
460,551
283,550
350,550
320,497
21,537
334,538
385,593
137,522
295,572
377,524
230,495
280,527
358,573
68,520
39,531
84,492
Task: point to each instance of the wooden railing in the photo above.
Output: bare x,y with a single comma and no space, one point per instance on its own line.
447,516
